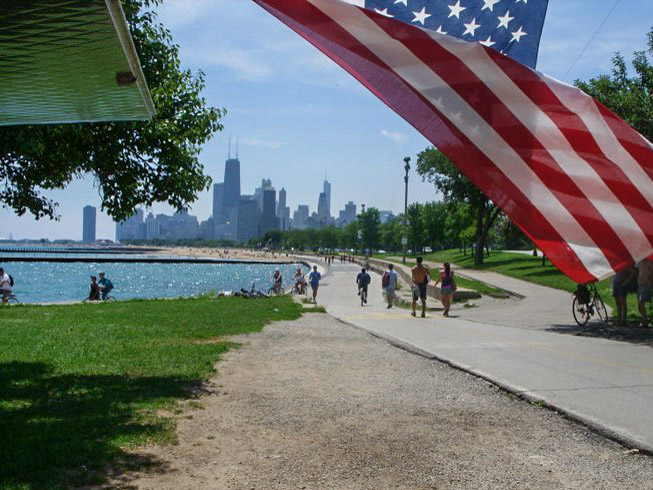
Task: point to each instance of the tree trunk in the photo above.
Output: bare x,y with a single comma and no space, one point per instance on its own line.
484,221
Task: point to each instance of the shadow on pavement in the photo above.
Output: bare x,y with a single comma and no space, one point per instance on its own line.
634,335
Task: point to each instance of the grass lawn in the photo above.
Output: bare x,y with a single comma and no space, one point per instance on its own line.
80,383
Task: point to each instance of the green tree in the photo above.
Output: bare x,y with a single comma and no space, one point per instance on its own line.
370,226
434,215
434,166
133,163
329,238
349,238
391,233
631,98
416,230
273,237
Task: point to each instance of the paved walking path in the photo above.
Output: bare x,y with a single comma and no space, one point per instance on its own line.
538,306
605,383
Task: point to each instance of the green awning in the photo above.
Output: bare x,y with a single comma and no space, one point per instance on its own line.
64,61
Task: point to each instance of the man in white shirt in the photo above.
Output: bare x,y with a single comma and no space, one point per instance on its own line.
389,284
5,285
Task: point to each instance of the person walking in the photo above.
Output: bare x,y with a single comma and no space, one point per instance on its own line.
448,287
94,293
420,276
389,284
314,278
645,287
621,286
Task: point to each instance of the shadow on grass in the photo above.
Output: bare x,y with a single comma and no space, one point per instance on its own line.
60,431
634,335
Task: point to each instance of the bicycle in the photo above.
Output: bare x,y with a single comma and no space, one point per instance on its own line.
12,299
276,289
299,289
363,294
587,303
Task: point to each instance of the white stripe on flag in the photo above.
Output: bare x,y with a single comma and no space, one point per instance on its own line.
545,130
410,68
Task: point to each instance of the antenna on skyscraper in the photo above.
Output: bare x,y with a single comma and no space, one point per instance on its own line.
236,148
229,148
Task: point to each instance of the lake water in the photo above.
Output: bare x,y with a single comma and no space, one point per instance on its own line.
45,282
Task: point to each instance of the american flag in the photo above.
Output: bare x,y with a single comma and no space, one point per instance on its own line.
571,174
512,27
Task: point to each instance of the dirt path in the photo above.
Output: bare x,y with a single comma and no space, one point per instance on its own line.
315,404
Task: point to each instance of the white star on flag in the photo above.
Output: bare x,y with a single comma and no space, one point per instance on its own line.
421,16
405,2
384,12
471,27
489,4
456,9
488,42
505,20
517,35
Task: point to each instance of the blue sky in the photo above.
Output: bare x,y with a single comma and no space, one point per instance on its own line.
298,116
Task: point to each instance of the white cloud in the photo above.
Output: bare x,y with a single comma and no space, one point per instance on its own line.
273,145
183,12
395,136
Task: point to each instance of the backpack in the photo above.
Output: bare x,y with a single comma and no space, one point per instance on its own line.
11,280
385,281
583,294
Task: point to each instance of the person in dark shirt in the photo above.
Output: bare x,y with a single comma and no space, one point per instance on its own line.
363,280
94,293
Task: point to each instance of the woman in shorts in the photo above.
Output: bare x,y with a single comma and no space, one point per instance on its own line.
447,288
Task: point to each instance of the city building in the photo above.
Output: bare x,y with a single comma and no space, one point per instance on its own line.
322,210
88,224
133,228
247,218
347,215
300,217
283,211
326,188
218,193
230,196
269,215
151,230
258,192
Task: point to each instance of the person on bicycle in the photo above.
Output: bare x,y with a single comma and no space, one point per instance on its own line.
105,286
277,279
363,280
5,285
300,281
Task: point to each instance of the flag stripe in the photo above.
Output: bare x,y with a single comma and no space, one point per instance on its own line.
403,62
486,104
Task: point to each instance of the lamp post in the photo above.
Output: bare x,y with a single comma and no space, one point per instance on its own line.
404,239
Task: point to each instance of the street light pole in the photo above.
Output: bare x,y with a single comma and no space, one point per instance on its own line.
404,239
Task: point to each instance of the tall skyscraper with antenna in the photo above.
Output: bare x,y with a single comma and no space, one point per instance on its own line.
327,193
231,191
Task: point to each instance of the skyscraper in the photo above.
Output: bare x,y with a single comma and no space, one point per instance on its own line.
327,192
322,210
247,217
300,217
231,189
283,211
88,225
269,221
218,193
258,192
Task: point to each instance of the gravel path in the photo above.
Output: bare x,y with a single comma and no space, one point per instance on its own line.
316,404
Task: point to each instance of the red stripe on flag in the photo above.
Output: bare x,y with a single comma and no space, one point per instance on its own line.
458,76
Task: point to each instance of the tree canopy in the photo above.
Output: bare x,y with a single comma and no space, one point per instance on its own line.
631,98
133,163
